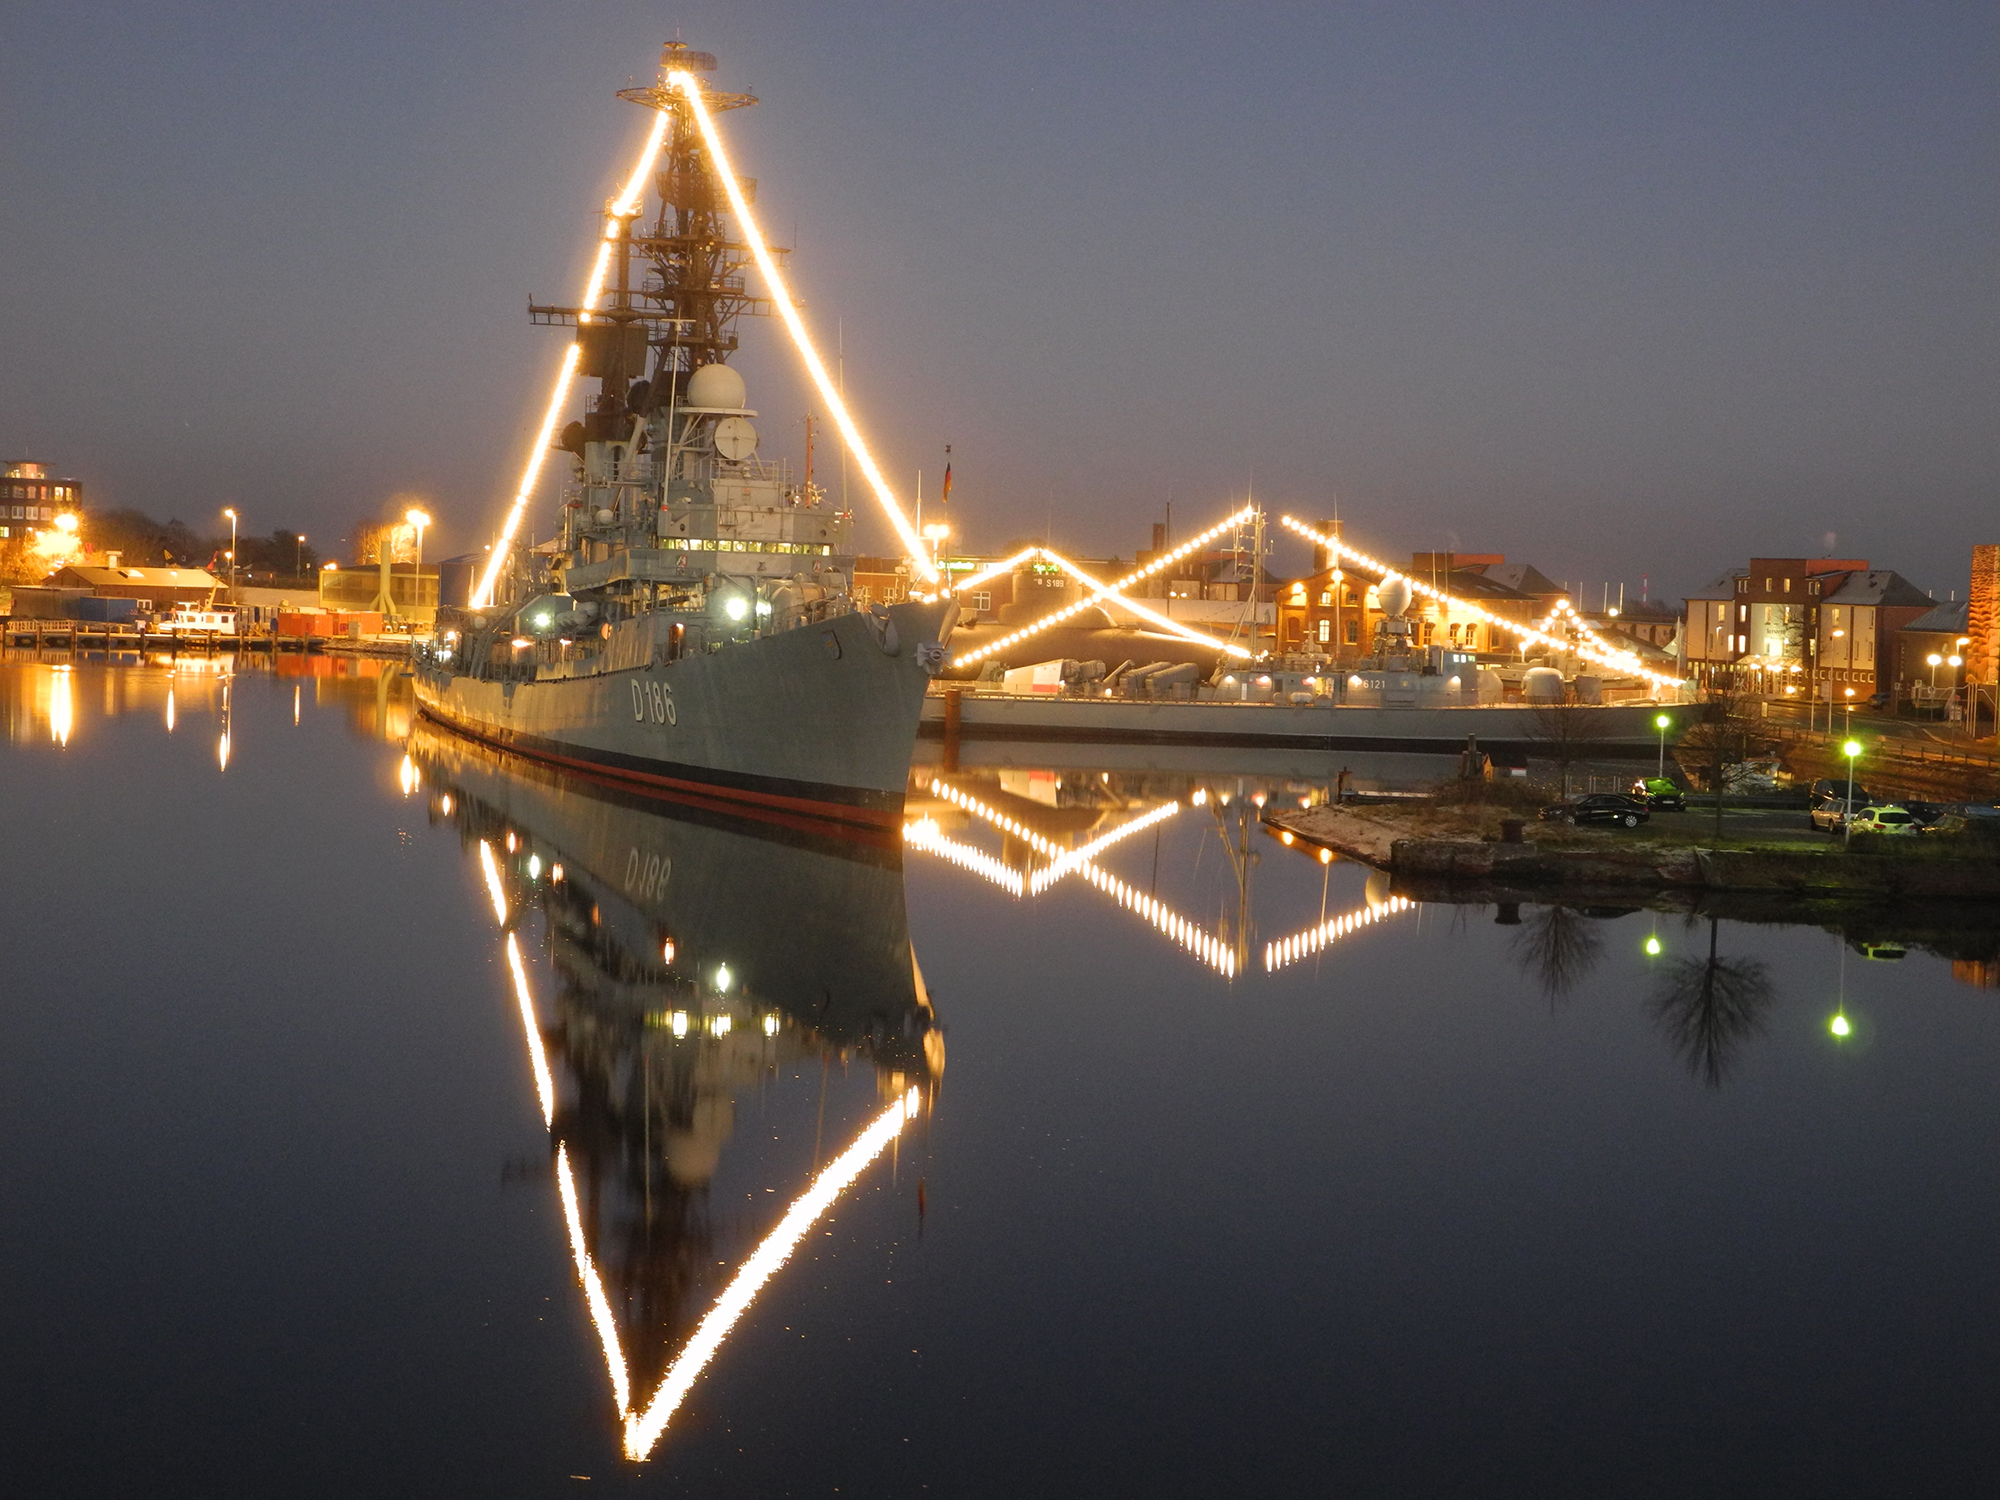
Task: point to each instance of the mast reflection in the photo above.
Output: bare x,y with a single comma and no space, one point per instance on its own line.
687,958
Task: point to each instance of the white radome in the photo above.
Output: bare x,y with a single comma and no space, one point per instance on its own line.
1394,596
716,386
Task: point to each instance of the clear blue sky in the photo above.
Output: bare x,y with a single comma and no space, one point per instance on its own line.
1616,289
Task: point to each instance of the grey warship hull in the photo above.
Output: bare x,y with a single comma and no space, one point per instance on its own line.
814,723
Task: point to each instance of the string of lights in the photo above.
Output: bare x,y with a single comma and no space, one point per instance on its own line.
1290,950
924,834
1048,875
643,1429
1209,949
1102,591
1623,660
781,298
623,207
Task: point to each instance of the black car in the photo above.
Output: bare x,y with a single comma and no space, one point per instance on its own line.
1599,807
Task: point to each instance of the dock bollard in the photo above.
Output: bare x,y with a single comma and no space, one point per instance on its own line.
1512,830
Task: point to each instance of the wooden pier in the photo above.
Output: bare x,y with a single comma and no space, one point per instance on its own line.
108,638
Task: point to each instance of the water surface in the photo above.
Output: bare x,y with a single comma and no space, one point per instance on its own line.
1189,1164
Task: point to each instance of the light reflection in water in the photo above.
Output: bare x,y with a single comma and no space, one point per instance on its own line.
1204,945
712,1006
62,708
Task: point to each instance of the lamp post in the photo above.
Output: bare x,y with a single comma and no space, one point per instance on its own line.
230,511
298,552
1935,661
1662,722
1851,749
419,520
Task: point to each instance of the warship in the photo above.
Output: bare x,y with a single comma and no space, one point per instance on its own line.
690,629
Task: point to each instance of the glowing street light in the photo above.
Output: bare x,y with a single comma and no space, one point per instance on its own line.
419,520
1663,723
1852,750
230,511
1838,1025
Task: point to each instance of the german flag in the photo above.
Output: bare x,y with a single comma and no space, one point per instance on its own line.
945,497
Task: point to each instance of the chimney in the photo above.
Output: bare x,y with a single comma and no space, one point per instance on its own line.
111,559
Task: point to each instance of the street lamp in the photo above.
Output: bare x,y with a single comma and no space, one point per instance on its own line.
1851,750
230,511
419,520
1935,661
298,552
1662,723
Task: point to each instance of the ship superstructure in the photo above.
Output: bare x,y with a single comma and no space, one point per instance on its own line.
690,624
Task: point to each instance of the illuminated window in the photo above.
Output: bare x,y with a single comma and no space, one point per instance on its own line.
982,602
1325,631
1325,597
1788,585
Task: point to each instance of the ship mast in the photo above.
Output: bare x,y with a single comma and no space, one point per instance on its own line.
690,289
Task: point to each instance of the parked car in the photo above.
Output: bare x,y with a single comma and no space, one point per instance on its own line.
1891,820
1829,803
1599,808
1658,791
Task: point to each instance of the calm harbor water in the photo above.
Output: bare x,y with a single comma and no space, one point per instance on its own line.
382,1118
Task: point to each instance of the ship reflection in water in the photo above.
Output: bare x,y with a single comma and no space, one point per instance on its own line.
1028,830
692,959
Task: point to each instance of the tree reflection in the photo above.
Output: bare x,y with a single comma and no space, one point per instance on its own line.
1559,947
1709,1007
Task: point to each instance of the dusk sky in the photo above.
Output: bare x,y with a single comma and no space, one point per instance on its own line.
1613,289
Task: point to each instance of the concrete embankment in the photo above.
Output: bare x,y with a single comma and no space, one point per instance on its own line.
1387,842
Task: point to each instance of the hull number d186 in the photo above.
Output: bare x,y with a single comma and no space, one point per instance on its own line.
651,701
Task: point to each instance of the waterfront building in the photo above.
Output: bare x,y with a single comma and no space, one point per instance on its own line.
31,497
1942,632
156,590
1335,611
1858,621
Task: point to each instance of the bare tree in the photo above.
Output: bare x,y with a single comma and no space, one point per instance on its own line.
1709,1007
1558,946
1726,736
1566,733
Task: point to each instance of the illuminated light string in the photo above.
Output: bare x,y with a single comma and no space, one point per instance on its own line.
781,297
1209,949
1303,945
643,1430
593,1287
924,834
1621,659
493,886
1112,591
1166,560
623,207
1048,875
987,575
545,1084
